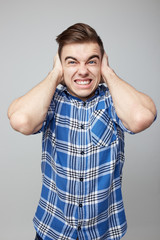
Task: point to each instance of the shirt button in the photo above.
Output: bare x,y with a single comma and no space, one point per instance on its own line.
82,152
84,104
80,205
79,228
82,126
81,179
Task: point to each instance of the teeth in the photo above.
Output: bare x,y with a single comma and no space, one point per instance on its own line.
83,82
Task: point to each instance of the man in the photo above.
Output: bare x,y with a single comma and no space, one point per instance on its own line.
83,124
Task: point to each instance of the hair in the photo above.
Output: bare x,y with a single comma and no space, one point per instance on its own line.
78,33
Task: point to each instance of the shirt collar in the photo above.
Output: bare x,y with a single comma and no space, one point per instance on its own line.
100,91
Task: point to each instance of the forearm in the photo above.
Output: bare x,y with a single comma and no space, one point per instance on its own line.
28,112
136,110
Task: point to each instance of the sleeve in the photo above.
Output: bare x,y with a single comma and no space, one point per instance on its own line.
114,116
49,116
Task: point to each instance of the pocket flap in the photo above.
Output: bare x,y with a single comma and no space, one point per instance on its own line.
101,128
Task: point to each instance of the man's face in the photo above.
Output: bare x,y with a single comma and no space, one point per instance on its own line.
81,64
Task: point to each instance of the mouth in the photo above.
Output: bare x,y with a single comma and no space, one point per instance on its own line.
83,81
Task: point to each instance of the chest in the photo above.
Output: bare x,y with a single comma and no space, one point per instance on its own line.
82,125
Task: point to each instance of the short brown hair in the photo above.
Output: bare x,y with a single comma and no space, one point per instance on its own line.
78,33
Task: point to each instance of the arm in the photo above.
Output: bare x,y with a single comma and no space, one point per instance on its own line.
27,113
136,110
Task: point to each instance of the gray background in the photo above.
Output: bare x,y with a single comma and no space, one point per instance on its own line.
131,34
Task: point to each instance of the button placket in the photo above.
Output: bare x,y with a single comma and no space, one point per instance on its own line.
82,132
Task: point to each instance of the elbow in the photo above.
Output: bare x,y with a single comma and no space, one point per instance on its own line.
20,122
142,121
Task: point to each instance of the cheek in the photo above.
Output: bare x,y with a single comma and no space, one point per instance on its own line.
97,75
68,72
96,71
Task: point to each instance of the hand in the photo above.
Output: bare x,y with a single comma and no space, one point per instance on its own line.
57,66
106,71
105,63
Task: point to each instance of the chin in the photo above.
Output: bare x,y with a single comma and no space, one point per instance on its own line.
87,96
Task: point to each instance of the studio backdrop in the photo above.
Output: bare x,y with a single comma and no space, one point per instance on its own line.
130,33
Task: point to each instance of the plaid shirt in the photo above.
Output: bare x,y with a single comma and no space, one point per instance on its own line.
82,161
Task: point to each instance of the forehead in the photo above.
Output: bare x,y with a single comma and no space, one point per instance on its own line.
80,50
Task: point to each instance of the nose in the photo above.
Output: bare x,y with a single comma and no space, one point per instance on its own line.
83,70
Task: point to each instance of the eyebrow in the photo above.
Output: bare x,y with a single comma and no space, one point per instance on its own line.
71,58
93,56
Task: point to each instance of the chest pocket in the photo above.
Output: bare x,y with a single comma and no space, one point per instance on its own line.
102,128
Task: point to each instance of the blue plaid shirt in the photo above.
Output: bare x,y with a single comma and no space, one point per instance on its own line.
82,161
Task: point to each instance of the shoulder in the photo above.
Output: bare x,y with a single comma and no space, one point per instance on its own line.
105,94
60,93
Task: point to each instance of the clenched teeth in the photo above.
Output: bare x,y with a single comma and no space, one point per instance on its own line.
83,82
